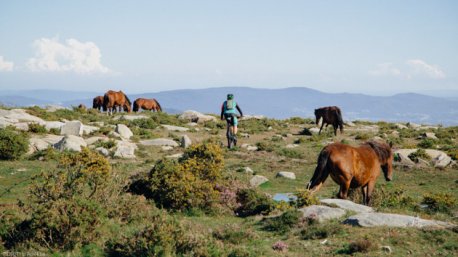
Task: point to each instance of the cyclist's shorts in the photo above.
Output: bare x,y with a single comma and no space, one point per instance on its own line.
231,119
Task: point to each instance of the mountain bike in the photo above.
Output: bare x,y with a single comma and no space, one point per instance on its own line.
231,139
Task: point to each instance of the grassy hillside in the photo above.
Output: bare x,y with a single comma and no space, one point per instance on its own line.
66,204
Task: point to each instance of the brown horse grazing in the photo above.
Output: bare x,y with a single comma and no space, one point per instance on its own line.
331,115
147,104
113,99
97,103
353,167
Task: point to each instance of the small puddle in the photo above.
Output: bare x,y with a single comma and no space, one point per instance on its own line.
286,197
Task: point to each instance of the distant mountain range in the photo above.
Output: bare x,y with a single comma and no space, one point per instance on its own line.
275,103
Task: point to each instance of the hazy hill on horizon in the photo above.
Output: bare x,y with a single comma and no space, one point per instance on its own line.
275,103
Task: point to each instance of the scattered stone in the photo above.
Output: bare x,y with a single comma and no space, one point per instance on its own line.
256,117
393,220
166,148
19,115
252,148
125,150
248,170
37,144
103,151
321,213
286,174
244,145
124,131
89,129
347,205
400,126
258,180
387,249
349,123
270,128
159,142
291,145
97,123
174,156
194,116
53,108
93,140
430,135
192,124
70,142
314,130
132,117
413,125
52,139
24,126
185,141
245,135
114,134
74,128
175,128
53,125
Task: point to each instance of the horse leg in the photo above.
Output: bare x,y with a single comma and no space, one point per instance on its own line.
343,192
335,129
364,192
322,124
370,189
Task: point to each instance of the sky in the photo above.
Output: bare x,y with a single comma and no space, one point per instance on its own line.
373,47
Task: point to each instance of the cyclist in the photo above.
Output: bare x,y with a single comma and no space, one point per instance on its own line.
228,112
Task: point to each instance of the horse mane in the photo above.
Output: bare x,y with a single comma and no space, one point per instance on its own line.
382,150
127,98
160,108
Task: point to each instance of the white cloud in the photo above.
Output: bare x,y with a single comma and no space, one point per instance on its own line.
5,65
385,69
420,67
73,55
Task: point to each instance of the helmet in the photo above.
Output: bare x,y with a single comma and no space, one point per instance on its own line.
230,96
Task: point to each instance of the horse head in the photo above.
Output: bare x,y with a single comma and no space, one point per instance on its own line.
317,116
387,168
126,107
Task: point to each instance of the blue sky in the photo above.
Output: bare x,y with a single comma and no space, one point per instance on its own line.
376,47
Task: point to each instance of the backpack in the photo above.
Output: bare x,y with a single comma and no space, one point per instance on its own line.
229,104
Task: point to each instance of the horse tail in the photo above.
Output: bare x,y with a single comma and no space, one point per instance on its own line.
136,107
339,119
106,100
158,105
321,173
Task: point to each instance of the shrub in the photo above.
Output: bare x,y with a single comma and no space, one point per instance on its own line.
190,182
300,140
263,146
362,136
304,198
12,144
253,202
284,222
439,202
290,153
233,234
163,236
383,197
106,144
426,143
315,230
68,206
359,246
419,154
37,128
46,155
143,123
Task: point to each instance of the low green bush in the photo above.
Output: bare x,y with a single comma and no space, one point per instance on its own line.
439,202
37,128
190,182
426,143
419,154
13,144
253,202
264,146
283,223
305,198
315,230
290,153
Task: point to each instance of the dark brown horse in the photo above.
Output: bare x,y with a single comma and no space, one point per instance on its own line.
113,99
331,115
147,104
353,167
97,103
